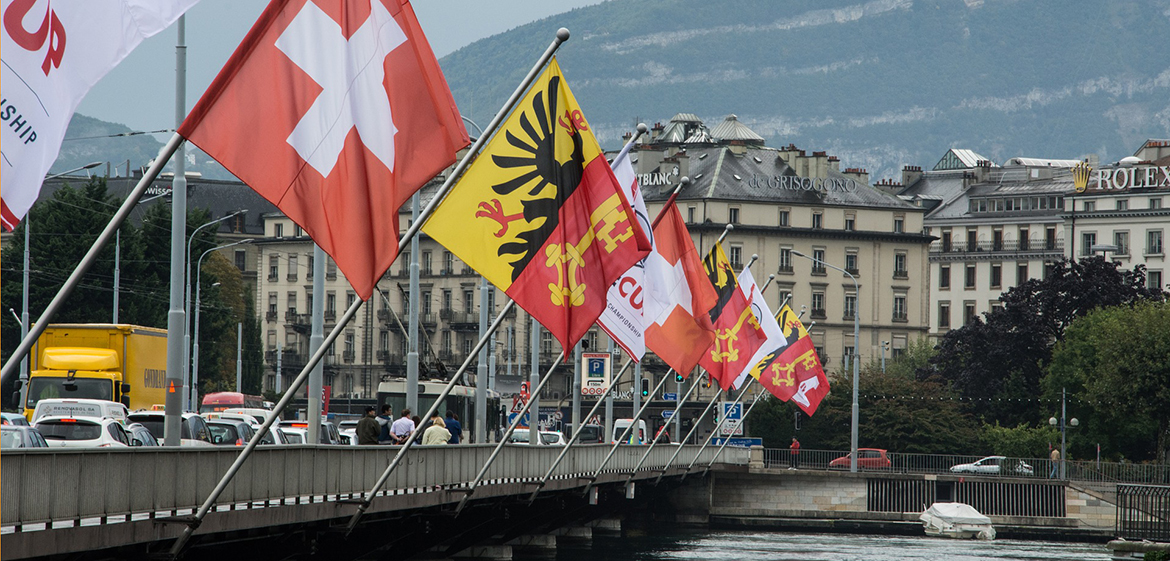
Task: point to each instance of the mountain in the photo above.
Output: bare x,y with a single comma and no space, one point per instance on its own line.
880,83
90,140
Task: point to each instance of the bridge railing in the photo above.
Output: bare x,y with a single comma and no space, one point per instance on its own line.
46,486
1080,470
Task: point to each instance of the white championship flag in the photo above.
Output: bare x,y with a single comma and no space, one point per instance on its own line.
622,318
52,54
759,306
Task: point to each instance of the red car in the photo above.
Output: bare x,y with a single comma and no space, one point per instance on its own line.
868,458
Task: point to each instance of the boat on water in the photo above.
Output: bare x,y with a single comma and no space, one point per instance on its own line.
956,520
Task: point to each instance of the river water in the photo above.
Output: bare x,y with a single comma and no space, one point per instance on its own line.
783,546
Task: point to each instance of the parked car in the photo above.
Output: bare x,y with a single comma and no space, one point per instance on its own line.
295,435
996,465
867,458
79,407
590,434
21,436
83,432
327,435
193,426
140,435
230,432
547,437
7,418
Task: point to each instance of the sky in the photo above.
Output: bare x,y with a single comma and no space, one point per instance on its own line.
140,92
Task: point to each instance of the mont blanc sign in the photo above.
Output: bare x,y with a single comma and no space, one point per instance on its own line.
798,183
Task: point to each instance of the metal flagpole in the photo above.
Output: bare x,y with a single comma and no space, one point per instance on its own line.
759,397
470,489
194,521
657,437
722,420
364,503
35,329
576,434
481,371
177,350
620,439
412,315
690,433
316,335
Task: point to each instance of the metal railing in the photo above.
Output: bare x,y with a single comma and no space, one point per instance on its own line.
44,486
1088,471
1143,512
1003,246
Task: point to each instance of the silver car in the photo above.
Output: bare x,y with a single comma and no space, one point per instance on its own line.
995,465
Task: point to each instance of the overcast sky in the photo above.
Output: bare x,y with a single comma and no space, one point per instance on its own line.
140,92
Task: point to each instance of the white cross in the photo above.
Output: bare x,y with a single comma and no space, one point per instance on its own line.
350,74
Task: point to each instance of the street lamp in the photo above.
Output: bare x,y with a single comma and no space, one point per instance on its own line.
118,260
193,394
856,351
187,299
1073,422
885,347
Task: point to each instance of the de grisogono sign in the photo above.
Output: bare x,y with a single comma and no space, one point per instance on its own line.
798,183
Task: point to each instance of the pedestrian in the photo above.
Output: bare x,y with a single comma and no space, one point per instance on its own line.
1055,457
455,427
367,428
794,454
437,433
419,428
385,420
401,429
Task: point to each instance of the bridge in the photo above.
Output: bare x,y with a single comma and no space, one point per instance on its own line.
291,501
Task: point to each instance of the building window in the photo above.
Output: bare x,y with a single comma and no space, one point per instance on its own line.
330,269
426,303
996,275
736,256
733,215
1122,204
273,267
292,303
944,277
445,342
468,344
448,263
446,299
818,304
946,240
818,220
272,303
348,350
1154,280
330,303
297,231
293,269
850,222
900,266
783,217
818,262
278,230
1121,240
968,313
899,224
899,307
1156,202
785,260
425,265
850,305
546,346
469,301
1048,269
851,262
1154,242
969,280
785,296
1050,238
383,340
1088,240
1021,273
349,299
271,339
972,239
241,259
1090,206
691,214
997,239
944,315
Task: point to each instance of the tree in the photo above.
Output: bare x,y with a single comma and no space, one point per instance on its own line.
1005,354
1116,362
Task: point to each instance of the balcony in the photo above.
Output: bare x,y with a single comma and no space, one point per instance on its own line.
291,316
1002,248
464,321
819,271
330,315
347,356
785,269
446,314
818,314
292,277
384,315
270,316
901,274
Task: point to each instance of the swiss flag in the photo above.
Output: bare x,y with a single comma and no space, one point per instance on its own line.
336,112
678,300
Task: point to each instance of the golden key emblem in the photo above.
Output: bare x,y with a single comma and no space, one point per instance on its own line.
568,291
729,336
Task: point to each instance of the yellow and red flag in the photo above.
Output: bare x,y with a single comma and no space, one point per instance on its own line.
541,215
794,372
738,335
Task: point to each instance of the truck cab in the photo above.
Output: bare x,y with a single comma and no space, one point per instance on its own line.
77,373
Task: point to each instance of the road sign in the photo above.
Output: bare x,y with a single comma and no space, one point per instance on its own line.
733,415
744,442
669,396
523,422
595,370
667,413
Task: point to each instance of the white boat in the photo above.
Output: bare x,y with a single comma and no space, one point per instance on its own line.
956,520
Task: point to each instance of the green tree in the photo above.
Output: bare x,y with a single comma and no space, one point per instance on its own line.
1116,363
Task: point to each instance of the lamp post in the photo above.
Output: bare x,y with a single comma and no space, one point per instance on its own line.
118,261
1071,423
193,395
187,299
885,347
856,351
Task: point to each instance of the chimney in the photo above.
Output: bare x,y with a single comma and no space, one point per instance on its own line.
911,175
656,131
820,164
834,163
859,174
982,170
889,186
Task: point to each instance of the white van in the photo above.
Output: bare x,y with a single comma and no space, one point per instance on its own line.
258,414
619,426
98,408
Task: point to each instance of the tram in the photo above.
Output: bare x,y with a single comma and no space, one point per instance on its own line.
461,400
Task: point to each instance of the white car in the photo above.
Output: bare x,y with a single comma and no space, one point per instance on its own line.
547,437
193,426
83,432
995,465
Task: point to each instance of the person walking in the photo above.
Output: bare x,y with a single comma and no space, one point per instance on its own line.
437,433
1055,457
385,420
401,429
367,428
455,427
794,454
419,427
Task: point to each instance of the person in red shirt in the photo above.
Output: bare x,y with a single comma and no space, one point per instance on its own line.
793,453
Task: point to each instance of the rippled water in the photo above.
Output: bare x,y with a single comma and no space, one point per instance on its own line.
782,546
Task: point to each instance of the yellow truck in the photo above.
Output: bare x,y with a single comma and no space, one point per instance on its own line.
123,363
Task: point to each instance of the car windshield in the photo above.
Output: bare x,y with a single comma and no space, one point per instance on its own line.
70,430
294,438
54,388
154,424
223,432
550,437
11,438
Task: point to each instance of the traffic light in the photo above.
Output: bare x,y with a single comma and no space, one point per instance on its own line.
645,387
678,377
707,382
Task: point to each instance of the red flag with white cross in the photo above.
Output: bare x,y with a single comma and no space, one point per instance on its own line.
336,112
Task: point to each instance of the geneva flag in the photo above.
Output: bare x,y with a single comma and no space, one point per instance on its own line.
794,372
737,333
541,215
53,53
336,112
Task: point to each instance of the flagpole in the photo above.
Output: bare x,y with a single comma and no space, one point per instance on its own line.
670,200
364,503
759,398
35,330
470,489
618,441
691,433
576,434
642,129
722,420
678,406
